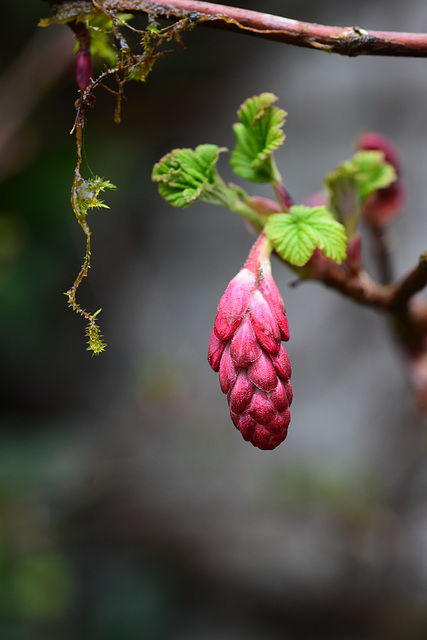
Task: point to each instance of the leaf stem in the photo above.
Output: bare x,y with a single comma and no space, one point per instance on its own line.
244,210
283,196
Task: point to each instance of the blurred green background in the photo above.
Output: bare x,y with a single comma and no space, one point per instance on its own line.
130,507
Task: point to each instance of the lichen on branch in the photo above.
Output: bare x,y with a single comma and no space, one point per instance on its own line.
85,196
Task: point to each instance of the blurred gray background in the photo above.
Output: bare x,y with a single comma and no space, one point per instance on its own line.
130,507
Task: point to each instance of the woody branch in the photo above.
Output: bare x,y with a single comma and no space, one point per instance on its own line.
349,41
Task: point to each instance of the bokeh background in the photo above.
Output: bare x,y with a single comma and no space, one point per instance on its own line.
130,507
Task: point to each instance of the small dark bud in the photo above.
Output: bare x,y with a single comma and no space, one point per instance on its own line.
83,69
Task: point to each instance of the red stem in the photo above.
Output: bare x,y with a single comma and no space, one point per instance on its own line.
260,250
350,41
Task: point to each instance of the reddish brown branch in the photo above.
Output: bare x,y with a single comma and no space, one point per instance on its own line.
349,41
394,298
358,286
413,283
409,314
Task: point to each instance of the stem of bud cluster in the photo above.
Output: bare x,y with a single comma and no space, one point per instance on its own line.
230,198
284,197
282,194
250,214
260,253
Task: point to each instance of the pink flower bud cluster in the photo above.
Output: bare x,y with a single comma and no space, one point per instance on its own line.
246,348
385,204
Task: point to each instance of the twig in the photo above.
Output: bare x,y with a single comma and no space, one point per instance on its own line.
359,286
413,283
408,314
349,41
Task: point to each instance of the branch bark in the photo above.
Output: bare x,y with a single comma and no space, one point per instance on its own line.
349,41
407,312
394,298
413,283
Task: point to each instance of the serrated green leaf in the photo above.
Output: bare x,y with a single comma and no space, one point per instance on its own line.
353,182
295,235
258,134
187,175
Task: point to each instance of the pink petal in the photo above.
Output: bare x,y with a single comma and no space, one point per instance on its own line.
235,418
223,329
279,397
264,323
265,440
261,409
246,427
289,392
280,422
215,351
277,439
262,373
234,303
227,371
244,347
241,394
272,295
261,438
282,364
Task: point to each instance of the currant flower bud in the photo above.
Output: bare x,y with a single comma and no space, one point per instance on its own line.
384,205
83,69
246,349
373,141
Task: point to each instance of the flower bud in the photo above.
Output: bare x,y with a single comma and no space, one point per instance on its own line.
373,141
264,206
246,349
385,204
83,69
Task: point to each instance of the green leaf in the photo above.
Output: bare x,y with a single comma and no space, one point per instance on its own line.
295,235
258,134
187,175
353,182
